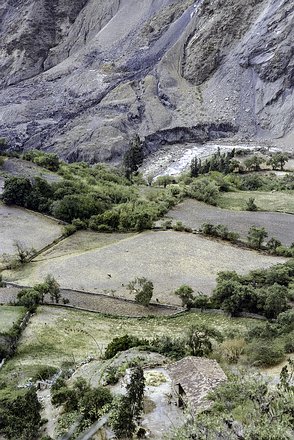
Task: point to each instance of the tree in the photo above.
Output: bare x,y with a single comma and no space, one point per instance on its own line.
143,290
278,160
256,236
19,414
253,163
133,158
195,167
127,411
16,190
121,419
275,301
29,298
199,339
273,244
23,253
205,190
186,294
135,391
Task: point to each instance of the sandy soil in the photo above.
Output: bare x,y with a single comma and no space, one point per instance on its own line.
193,213
29,228
168,258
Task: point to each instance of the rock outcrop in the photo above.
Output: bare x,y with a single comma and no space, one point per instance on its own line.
80,77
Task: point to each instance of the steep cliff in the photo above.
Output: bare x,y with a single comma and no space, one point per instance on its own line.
80,77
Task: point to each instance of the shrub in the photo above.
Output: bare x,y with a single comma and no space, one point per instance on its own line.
123,343
261,353
165,345
178,226
251,205
16,191
232,349
44,372
203,189
289,342
186,294
19,414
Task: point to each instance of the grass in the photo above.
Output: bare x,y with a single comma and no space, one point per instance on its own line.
54,336
280,201
8,316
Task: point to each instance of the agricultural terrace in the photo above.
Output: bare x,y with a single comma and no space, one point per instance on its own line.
8,316
193,214
275,201
167,258
30,228
55,336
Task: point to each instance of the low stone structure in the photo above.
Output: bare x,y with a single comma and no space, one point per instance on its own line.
193,378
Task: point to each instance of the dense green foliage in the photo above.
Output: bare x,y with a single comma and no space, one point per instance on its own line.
128,408
263,291
87,401
32,297
121,344
97,196
19,414
45,160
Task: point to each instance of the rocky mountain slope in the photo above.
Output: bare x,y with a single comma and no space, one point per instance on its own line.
80,77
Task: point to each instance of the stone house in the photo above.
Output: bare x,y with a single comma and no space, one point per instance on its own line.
193,378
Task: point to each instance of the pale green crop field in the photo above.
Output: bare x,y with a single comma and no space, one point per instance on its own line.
280,201
56,335
8,316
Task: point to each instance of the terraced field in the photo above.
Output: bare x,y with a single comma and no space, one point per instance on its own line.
275,201
168,258
8,316
30,228
55,336
193,213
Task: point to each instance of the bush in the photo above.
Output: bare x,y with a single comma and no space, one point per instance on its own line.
123,343
289,342
261,353
203,189
44,372
16,191
165,345
251,205
186,294
19,414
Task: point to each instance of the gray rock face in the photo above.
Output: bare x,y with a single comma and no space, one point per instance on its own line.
80,77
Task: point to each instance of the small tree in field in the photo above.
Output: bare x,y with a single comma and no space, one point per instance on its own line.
186,294
23,252
143,290
256,236
278,160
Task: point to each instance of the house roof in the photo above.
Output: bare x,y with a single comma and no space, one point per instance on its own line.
197,377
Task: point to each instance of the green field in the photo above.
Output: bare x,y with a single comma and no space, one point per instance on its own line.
280,201
54,336
8,316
